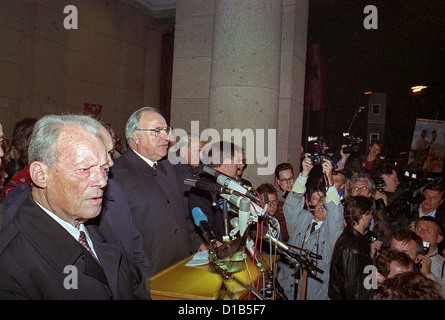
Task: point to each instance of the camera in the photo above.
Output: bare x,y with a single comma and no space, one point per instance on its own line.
352,143
425,249
317,147
380,184
407,196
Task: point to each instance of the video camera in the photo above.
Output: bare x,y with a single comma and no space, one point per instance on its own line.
352,143
407,196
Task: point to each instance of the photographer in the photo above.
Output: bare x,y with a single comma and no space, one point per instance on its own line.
433,264
391,181
367,163
422,254
388,196
431,200
315,230
319,154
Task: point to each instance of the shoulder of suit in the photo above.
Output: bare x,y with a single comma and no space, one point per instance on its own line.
7,236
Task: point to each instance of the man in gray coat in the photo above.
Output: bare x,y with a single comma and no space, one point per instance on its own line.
316,232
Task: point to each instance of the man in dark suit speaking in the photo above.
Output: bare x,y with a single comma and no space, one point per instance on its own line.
51,249
152,191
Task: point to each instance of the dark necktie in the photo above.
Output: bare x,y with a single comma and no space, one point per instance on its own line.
83,241
313,227
155,166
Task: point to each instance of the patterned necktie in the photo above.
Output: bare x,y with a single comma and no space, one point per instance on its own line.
83,241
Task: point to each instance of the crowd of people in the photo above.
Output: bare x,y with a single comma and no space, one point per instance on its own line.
73,197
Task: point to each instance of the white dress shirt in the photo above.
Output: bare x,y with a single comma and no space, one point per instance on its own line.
72,230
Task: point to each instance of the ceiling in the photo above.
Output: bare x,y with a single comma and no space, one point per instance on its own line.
158,5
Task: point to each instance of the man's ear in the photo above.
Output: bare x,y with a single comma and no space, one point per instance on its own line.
439,238
277,185
39,174
308,204
135,136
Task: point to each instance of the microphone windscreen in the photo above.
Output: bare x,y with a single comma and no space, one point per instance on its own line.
190,182
209,170
198,215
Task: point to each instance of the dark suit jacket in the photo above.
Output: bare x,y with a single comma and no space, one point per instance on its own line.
115,211
157,209
2,215
35,251
203,200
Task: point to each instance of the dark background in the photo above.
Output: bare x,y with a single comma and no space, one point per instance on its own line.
407,49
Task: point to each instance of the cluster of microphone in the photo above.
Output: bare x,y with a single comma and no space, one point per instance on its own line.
250,209
244,198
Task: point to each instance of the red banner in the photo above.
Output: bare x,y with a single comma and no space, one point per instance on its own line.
315,79
93,110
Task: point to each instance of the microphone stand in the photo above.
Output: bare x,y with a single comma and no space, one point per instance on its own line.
220,267
227,277
258,257
226,237
359,109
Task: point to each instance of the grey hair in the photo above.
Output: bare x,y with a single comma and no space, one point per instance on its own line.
134,120
43,144
368,180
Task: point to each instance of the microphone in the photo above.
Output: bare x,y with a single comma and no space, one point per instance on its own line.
238,199
276,242
201,221
244,215
287,248
210,187
232,184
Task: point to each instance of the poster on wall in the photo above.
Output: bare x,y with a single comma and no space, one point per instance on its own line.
93,110
428,146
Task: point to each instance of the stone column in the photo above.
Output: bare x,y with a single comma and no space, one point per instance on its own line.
245,72
241,64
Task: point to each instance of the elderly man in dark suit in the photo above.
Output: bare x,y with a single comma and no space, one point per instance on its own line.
115,211
152,191
51,249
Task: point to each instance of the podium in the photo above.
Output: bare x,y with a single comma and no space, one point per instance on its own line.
181,282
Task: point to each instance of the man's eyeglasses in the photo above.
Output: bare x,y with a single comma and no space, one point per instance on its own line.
157,131
273,202
360,189
288,180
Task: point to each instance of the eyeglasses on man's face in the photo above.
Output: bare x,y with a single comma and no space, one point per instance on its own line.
362,189
157,131
288,180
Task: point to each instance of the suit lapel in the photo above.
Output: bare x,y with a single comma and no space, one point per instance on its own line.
110,256
138,162
52,241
